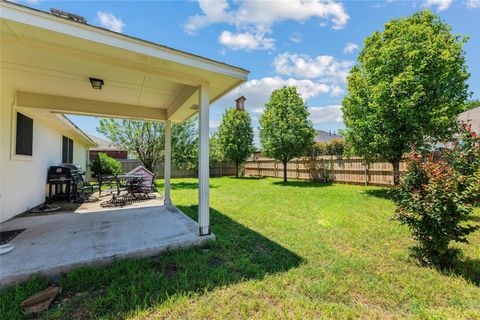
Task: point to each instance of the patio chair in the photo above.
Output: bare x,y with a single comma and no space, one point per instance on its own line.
147,187
107,180
122,184
84,189
147,183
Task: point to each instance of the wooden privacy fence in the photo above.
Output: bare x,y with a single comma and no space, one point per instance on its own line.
326,168
218,169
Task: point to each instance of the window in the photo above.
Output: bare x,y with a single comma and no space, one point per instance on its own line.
24,136
67,150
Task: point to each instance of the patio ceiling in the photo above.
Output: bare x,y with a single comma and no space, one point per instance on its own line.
48,60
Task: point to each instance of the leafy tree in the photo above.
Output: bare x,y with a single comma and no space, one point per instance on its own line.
103,164
146,139
216,152
409,83
185,144
235,137
285,131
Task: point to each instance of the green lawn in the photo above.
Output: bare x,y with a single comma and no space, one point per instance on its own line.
301,250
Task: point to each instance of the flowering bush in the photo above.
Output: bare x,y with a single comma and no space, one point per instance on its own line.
464,156
435,198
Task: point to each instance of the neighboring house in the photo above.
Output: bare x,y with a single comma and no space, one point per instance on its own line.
472,116
327,136
32,141
107,147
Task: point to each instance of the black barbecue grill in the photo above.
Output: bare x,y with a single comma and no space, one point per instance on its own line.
64,178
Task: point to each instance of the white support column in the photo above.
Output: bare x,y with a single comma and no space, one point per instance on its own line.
168,161
203,163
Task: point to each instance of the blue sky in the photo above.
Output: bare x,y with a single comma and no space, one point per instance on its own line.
310,44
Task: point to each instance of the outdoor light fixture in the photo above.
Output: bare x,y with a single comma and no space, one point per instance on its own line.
96,83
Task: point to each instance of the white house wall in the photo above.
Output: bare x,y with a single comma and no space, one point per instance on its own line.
23,181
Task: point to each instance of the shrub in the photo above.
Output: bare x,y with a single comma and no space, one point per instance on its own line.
435,198
334,147
103,164
464,156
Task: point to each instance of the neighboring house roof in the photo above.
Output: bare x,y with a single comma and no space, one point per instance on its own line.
327,136
104,144
472,116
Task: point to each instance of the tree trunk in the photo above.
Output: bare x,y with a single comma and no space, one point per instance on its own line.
396,172
147,164
284,170
236,170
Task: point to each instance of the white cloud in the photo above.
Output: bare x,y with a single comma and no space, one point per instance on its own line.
350,48
323,67
327,114
246,41
295,37
109,21
263,14
258,91
214,124
440,4
214,11
473,4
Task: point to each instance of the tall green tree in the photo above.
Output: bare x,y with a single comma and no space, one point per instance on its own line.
409,84
146,139
216,152
285,131
235,137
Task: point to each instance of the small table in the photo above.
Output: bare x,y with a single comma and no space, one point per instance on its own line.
130,183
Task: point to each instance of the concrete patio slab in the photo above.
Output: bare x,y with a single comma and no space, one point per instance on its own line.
56,243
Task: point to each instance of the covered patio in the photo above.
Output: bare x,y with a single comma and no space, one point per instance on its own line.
56,243
50,63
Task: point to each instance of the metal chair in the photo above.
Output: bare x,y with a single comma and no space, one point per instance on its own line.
107,180
84,189
147,186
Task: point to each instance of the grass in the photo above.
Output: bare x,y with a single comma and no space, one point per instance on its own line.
295,250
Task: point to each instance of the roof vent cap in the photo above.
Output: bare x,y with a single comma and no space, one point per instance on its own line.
67,15
240,103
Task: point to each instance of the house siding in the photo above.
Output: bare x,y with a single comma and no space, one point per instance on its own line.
23,181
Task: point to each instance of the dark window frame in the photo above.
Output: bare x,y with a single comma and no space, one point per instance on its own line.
67,150
23,135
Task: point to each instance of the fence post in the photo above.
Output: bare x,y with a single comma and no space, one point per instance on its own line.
275,168
258,168
298,173
367,167
324,170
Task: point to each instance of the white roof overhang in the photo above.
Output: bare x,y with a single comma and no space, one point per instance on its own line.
48,60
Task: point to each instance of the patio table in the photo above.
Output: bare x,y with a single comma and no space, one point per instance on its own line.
129,182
